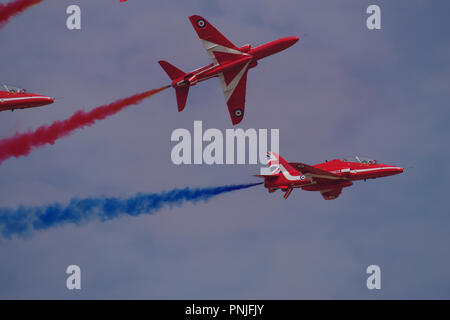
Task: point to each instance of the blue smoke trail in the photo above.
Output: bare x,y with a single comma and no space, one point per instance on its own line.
23,220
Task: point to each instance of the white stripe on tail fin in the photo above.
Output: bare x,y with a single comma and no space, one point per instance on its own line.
273,162
278,165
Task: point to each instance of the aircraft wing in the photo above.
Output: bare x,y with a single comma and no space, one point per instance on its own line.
314,173
219,48
331,194
234,83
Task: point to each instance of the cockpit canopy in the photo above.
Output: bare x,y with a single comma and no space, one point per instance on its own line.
358,159
11,89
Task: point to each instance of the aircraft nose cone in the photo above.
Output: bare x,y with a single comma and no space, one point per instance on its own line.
285,43
48,100
292,40
397,170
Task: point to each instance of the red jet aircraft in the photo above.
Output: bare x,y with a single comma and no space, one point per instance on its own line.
329,177
15,98
230,64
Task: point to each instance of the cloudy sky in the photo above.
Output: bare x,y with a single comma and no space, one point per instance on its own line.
341,90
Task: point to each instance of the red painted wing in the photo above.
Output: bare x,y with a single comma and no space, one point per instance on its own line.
234,83
219,48
314,173
206,31
221,51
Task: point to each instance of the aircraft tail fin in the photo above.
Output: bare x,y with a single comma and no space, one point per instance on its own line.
277,164
175,73
172,71
279,167
182,94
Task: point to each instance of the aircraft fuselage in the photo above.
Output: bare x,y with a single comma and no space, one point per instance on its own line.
349,171
15,100
252,55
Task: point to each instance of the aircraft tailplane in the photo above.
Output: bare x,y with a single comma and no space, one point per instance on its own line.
182,94
175,73
172,71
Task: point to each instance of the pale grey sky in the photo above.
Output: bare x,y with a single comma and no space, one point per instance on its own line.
341,90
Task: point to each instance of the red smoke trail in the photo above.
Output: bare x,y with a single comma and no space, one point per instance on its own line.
21,144
13,8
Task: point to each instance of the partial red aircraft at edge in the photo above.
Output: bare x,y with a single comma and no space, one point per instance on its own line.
12,98
329,177
230,64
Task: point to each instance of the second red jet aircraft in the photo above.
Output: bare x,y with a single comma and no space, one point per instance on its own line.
12,98
230,64
329,177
